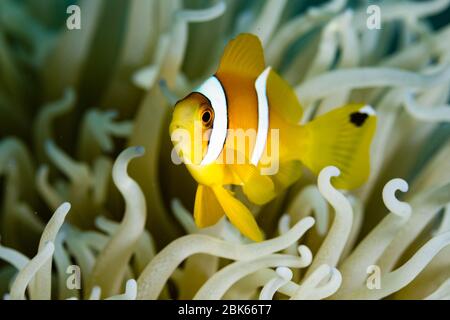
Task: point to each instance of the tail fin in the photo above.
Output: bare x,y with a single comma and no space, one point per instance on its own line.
341,138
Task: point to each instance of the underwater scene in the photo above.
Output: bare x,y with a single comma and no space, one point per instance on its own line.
224,150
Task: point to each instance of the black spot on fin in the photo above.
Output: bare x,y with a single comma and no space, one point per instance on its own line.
342,138
358,118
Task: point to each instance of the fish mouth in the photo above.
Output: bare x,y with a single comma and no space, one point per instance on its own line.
174,126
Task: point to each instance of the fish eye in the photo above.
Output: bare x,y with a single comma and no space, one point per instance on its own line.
207,117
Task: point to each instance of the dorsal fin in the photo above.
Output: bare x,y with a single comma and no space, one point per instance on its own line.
283,99
243,56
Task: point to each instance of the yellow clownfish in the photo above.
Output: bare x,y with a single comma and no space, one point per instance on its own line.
246,99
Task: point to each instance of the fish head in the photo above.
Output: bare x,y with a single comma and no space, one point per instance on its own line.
190,127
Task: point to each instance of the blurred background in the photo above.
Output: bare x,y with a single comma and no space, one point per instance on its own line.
72,100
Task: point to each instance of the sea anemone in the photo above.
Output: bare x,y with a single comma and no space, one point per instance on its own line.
93,207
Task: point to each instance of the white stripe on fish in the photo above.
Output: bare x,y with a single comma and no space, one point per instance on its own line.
263,116
212,89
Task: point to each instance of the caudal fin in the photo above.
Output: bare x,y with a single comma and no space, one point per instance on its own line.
341,138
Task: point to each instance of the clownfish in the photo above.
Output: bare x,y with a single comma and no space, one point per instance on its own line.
244,98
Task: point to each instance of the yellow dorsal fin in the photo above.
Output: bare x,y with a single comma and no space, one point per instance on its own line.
282,98
243,56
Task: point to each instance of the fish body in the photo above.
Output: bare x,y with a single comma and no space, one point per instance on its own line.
241,127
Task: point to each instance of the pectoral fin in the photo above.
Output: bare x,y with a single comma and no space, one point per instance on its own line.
238,214
258,188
